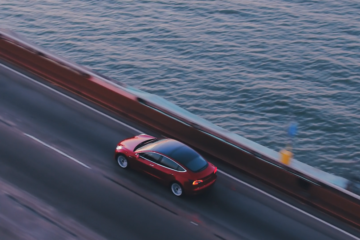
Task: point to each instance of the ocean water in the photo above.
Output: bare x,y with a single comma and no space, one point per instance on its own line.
250,67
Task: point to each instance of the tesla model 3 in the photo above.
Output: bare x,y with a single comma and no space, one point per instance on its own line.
173,163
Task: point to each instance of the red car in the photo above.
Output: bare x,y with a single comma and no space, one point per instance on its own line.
171,162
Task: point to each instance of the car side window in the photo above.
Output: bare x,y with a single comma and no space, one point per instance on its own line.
179,168
154,157
169,163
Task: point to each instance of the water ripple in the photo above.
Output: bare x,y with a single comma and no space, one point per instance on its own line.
249,66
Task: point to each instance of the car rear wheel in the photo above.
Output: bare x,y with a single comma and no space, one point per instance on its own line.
176,189
122,161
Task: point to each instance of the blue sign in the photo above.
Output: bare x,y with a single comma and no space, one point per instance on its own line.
292,130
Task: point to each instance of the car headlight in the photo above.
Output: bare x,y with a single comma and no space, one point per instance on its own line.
118,147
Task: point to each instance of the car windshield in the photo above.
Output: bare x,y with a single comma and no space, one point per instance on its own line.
145,143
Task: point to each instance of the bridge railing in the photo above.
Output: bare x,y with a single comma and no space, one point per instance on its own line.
322,190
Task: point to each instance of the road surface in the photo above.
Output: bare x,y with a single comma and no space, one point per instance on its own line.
59,148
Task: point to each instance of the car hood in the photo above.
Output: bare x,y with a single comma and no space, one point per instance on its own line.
131,143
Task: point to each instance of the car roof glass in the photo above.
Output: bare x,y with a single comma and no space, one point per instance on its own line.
175,150
179,152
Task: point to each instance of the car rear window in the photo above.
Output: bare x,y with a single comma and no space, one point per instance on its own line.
197,164
189,157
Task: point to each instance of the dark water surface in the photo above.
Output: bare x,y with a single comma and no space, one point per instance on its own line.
248,66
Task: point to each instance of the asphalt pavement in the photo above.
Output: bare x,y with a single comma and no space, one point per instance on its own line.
59,149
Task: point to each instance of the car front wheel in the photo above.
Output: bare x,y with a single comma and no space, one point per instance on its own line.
176,189
122,161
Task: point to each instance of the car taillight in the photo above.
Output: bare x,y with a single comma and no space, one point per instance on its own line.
215,170
196,182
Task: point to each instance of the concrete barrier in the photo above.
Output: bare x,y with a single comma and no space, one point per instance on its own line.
322,190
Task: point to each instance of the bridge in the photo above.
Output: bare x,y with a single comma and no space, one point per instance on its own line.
59,126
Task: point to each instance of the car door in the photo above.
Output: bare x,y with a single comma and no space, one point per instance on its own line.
166,170
147,161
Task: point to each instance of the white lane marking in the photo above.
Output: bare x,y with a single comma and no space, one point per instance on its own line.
66,96
77,161
194,223
228,175
287,204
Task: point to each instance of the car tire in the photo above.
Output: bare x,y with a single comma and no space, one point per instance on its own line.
176,189
122,161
